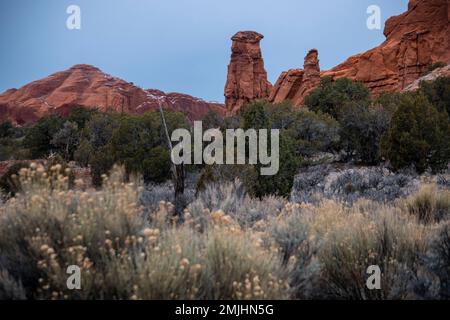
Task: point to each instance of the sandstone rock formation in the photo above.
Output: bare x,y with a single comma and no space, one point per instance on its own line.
437,73
414,40
247,78
88,86
295,84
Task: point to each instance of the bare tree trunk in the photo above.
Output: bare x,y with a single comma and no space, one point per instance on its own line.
178,173
180,201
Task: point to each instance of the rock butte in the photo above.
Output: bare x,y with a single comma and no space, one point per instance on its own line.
88,86
414,40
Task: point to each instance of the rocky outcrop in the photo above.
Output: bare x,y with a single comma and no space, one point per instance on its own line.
88,86
247,78
433,75
295,84
414,40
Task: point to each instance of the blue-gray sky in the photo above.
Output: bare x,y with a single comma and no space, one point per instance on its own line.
179,45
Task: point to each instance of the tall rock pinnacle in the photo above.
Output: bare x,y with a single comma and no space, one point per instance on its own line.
295,84
247,78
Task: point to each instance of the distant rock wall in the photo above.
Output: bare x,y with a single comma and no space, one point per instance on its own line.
414,40
87,86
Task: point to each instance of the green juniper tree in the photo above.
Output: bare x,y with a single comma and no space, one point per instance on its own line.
419,135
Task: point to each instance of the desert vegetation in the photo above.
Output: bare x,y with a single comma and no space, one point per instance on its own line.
361,182
226,245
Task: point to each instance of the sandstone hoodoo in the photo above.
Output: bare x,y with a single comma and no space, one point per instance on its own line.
247,78
87,86
415,40
295,84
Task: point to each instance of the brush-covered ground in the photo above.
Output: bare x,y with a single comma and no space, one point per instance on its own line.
347,198
227,245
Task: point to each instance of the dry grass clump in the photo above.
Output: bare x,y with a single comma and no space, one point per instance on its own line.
10,289
386,238
279,250
232,198
439,261
329,247
220,262
48,226
429,204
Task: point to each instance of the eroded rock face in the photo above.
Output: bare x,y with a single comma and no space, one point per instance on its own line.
414,40
247,78
88,86
437,73
295,84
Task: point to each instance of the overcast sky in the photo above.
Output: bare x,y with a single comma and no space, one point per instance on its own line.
179,45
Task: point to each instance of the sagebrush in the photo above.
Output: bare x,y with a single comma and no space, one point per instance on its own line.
226,245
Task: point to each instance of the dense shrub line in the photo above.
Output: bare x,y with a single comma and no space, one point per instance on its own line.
409,130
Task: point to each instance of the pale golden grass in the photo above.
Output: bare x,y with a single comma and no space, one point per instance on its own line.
49,227
303,251
429,204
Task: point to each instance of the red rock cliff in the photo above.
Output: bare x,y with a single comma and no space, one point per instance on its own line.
88,86
414,40
247,78
295,84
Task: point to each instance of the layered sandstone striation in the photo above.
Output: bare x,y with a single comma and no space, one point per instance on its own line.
432,76
295,84
414,40
247,78
87,86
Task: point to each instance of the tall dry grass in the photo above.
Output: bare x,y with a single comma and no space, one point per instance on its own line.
122,255
226,246
430,204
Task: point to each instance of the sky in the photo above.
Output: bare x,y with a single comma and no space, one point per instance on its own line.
179,45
